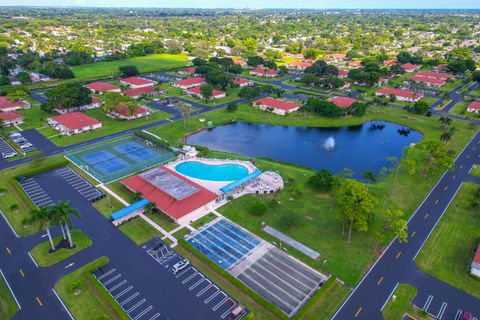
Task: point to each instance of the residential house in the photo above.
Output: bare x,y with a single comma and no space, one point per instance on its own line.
100,87
189,83
474,107
343,102
8,105
262,72
137,82
277,106
11,118
196,92
400,94
74,123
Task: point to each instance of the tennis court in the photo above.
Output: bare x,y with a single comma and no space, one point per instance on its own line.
113,159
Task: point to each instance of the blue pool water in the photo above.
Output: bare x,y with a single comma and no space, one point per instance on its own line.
224,243
359,148
220,172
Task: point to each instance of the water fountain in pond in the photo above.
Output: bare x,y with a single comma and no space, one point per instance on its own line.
329,144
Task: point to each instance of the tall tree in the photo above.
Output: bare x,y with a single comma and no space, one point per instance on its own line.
43,216
62,211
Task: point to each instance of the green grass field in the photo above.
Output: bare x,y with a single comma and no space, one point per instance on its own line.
448,252
8,307
232,95
395,309
144,64
109,126
139,231
460,109
476,170
85,297
44,258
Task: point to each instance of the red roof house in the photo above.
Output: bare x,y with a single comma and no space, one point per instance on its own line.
431,82
7,105
137,82
242,82
338,56
74,122
343,102
408,67
189,83
355,64
400,94
121,111
300,65
240,62
174,194
266,73
343,73
99,86
436,75
196,92
277,106
475,267
390,62
474,107
11,117
136,92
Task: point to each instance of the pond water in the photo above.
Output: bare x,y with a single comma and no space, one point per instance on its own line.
359,148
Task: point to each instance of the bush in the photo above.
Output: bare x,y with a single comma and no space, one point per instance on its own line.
257,209
128,71
322,181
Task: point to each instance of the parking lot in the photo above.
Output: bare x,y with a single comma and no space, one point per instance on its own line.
5,148
35,192
194,282
285,282
82,186
22,142
125,294
440,308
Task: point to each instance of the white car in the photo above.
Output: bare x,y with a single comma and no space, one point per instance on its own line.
179,266
14,135
26,145
7,155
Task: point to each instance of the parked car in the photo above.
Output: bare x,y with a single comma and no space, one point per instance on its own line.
20,140
179,266
467,316
14,135
237,311
7,155
25,145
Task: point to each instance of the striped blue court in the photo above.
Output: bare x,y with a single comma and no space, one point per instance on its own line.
105,161
136,151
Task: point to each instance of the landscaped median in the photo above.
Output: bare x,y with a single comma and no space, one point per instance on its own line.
44,258
85,297
8,307
400,304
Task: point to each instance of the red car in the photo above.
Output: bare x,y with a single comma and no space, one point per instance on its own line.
467,316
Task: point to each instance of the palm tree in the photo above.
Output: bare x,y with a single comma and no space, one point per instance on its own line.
43,216
61,213
185,110
149,207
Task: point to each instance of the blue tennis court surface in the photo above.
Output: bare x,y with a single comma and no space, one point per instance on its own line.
105,161
223,243
136,151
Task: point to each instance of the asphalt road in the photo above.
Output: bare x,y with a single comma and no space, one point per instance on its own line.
396,265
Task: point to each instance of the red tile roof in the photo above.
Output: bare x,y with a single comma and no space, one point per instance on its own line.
241,81
400,93
190,81
7,104
338,55
122,109
299,64
264,71
409,67
474,106
390,62
137,91
190,70
436,81
165,202
343,102
137,81
276,103
436,75
101,86
196,90
10,115
75,120
240,62
343,72
355,63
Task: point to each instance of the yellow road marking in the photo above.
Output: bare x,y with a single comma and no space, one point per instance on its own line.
379,281
8,250
414,232
411,317
39,302
21,272
398,255
358,312
426,216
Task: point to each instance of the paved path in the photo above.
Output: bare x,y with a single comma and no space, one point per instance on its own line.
396,264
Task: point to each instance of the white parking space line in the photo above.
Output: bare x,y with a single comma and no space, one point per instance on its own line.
106,274
129,298
204,289
123,292
185,271
211,297
442,310
143,312
189,278
427,303
193,286
458,314
112,279
138,304
155,316
118,285
229,310
221,302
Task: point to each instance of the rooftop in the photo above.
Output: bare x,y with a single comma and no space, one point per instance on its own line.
137,81
277,103
75,120
343,102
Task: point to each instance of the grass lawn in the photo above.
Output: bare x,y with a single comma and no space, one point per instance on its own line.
85,297
139,231
121,191
396,309
448,252
475,92
476,170
460,109
107,205
232,95
144,64
319,227
429,100
34,117
12,194
8,307
162,220
109,126
44,259
203,220
449,86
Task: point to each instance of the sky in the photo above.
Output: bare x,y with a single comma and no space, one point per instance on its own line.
318,4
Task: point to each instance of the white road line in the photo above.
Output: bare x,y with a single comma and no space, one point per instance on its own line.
11,291
143,312
391,293
427,303
220,303
193,286
63,304
111,280
189,278
458,315
16,235
205,289
206,301
118,285
155,316
442,310
106,274
34,262
129,298
123,292
138,304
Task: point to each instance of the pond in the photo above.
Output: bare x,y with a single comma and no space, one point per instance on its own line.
359,148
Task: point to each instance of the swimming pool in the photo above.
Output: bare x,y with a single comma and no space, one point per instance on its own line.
213,172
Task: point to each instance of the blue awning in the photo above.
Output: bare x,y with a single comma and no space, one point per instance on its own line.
127,210
233,185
